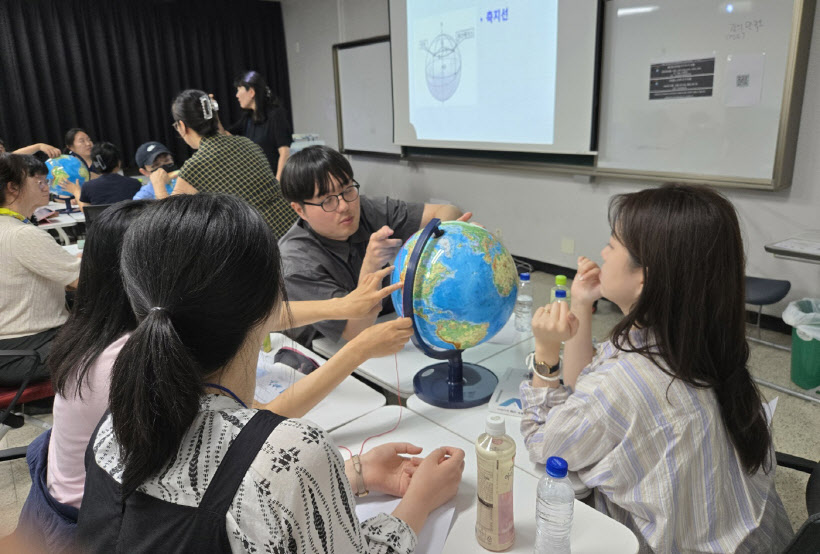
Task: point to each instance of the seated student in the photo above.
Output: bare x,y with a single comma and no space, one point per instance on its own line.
152,156
340,235
83,356
34,270
111,187
79,144
663,422
223,163
181,459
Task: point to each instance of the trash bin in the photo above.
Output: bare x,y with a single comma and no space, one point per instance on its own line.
804,317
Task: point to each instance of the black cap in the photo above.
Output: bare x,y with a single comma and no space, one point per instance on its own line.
148,152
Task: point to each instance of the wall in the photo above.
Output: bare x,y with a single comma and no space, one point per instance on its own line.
534,210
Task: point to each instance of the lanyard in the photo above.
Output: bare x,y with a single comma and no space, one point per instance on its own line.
15,215
225,389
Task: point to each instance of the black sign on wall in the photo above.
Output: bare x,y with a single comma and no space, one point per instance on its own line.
683,79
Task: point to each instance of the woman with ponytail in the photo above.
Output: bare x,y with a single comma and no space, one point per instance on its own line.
663,422
222,163
264,120
182,464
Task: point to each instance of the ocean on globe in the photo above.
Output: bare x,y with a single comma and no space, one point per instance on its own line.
63,168
465,286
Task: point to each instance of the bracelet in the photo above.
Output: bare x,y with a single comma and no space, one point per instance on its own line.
361,490
530,361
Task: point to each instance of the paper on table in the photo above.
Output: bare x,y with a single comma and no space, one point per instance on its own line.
272,378
435,530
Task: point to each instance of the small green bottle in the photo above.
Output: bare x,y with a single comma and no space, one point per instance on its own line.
560,284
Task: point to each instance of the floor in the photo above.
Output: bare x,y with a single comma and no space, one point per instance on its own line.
795,421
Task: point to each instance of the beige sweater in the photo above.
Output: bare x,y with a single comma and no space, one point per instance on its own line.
34,271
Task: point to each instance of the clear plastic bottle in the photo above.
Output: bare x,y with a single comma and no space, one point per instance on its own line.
561,296
495,453
560,284
553,509
523,304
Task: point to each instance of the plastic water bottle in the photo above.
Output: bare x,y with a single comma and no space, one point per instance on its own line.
561,296
553,509
523,305
495,453
560,284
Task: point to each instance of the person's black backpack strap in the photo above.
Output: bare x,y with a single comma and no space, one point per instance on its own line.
237,461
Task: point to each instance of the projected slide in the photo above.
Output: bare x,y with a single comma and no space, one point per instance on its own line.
482,71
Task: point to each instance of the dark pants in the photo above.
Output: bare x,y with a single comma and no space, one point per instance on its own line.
13,371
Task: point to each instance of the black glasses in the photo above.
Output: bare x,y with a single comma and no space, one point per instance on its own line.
331,203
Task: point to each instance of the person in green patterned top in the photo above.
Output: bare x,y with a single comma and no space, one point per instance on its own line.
223,164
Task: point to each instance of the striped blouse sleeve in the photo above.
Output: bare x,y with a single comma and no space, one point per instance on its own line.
566,423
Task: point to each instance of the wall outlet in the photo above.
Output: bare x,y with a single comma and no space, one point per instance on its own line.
567,245
296,47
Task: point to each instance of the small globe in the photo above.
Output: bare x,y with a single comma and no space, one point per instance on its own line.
465,286
443,67
65,168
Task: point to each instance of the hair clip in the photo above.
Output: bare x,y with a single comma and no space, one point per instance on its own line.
207,107
100,163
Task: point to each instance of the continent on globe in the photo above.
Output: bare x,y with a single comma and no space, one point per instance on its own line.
465,286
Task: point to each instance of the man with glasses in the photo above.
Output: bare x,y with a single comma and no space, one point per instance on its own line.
340,236
153,157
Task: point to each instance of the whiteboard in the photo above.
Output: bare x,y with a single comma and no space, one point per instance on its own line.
364,97
653,124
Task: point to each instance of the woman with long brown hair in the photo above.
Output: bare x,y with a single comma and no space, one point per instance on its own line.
663,421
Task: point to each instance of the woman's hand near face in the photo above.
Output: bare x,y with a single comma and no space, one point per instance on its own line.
586,287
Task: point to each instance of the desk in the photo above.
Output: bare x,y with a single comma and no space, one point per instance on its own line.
72,249
591,530
58,223
802,248
382,371
348,401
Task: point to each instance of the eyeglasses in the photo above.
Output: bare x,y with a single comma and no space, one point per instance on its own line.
331,203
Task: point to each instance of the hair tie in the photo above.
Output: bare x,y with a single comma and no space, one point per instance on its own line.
156,308
207,106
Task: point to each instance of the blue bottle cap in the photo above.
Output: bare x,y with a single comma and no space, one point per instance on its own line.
524,276
556,467
560,293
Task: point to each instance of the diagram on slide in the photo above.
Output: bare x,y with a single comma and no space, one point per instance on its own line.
443,62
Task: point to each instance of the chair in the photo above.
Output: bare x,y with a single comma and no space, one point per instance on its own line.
93,211
11,397
763,292
807,538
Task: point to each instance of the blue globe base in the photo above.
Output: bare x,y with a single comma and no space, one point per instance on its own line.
432,384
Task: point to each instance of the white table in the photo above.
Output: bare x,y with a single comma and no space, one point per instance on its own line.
382,371
591,530
72,249
350,400
58,223
805,247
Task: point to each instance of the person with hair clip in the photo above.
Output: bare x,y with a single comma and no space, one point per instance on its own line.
79,144
222,163
182,463
663,421
111,187
35,271
264,119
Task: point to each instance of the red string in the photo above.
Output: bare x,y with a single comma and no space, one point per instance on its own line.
401,410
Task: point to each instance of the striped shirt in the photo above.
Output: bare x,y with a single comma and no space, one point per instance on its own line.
657,455
235,165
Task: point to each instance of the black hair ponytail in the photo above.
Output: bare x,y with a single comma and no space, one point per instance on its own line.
201,272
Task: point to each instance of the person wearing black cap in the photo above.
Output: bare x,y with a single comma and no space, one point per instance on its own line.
153,157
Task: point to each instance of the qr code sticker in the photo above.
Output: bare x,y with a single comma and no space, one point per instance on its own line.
742,80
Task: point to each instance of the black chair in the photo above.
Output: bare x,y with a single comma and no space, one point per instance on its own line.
764,292
807,539
11,397
93,211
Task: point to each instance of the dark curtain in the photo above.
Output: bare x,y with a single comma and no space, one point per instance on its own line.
113,67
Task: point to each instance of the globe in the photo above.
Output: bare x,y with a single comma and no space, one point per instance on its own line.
443,67
65,168
465,286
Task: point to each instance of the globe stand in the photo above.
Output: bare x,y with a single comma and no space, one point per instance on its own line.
450,384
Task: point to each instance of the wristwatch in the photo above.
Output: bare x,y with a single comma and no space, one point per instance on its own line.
543,369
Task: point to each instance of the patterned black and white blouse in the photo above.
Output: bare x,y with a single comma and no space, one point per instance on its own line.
294,498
